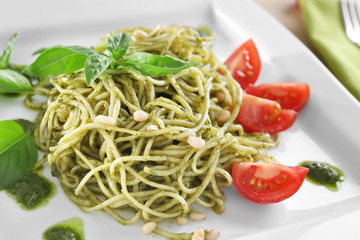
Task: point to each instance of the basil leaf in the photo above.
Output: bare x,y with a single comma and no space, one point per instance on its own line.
118,44
5,57
154,65
41,50
59,60
13,82
95,65
18,153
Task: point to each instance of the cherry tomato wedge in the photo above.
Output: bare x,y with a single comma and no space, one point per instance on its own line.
267,182
244,64
290,95
263,115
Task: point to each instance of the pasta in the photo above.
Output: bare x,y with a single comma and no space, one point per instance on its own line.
106,160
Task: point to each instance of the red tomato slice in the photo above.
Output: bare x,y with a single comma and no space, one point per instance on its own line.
244,64
290,95
263,115
267,182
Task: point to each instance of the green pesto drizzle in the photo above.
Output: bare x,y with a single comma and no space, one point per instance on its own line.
31,191
70,229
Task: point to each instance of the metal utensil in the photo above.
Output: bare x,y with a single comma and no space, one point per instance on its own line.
350,10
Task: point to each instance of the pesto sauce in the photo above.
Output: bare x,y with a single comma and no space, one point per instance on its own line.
321,173
31,191
71,229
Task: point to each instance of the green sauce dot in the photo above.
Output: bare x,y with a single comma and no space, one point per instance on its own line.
61,233
70,229
321,173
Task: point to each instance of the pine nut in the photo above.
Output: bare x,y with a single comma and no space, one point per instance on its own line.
223,116
140,34
195,142
213,234
197,216
149,227
199,234
140,116
181,221
105,120
152,128
220,96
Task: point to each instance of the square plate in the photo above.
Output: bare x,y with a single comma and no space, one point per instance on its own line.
326,130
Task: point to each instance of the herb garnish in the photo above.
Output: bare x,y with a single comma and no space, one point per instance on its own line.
154,65
10,80
95,65
118,44
14,82
60,60
18,152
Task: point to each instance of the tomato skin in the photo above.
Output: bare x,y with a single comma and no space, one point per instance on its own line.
267,182
290,95
263,115
245,64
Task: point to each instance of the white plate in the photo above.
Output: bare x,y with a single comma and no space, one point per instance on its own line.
326,130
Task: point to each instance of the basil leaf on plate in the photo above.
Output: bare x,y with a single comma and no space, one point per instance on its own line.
14,82
95,65
5,57
118,44
59,60
18,152
41,50
154,65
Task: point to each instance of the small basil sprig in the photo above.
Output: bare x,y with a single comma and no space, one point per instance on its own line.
118,44
11,81
59,60
5,57
18,152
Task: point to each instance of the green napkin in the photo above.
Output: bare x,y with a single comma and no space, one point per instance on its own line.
325,28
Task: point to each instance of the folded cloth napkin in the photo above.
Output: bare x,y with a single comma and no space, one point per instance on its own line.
324,24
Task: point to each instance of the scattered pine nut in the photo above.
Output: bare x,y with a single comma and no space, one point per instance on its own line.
220,96
149,227
195,142
197,216
213,234
105,120
139,34
181,220
199,234
223,116
140,116
152,128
